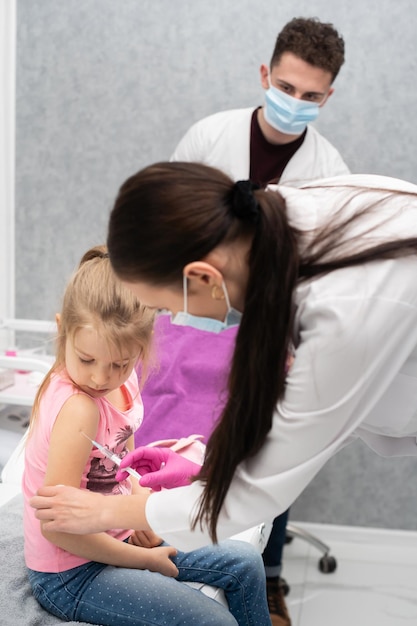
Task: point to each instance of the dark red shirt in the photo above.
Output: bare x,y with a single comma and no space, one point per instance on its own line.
268,160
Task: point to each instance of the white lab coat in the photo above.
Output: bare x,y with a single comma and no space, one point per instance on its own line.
354,374
222,140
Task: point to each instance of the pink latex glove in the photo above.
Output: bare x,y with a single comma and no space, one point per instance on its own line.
159,468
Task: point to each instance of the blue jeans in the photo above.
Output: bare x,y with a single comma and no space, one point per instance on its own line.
115,596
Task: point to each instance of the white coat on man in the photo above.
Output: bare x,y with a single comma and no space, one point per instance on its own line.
222,140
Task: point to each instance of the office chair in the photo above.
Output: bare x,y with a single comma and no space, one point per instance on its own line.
327,563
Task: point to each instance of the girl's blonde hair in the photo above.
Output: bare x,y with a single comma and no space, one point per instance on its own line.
94,296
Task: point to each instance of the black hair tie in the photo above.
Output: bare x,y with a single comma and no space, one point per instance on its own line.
244,204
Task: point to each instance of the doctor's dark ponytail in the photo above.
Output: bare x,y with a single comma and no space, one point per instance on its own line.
258,372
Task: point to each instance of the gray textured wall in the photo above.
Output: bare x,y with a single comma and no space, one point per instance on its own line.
105,87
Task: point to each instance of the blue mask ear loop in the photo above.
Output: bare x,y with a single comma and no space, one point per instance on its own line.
184,292
226,297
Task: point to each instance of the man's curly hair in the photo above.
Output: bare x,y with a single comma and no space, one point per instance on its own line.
313,41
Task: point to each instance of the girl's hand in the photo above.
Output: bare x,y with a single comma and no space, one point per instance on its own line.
158,560
145,539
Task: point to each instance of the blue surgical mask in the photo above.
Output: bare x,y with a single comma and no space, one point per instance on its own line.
287,114
183,318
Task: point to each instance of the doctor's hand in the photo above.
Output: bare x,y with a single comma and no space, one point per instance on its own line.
159,467
79,511
68,509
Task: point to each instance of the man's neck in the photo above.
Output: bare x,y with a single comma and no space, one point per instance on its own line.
271,134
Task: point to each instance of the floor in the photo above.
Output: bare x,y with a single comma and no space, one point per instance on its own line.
375,582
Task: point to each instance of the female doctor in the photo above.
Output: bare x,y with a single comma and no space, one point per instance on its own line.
327,271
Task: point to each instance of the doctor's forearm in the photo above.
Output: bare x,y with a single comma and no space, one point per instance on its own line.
124,512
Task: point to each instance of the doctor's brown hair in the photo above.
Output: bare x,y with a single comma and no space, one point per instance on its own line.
315,42
170,214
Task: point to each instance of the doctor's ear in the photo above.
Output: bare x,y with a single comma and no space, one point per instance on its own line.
264,73
58,321
203,273
329,93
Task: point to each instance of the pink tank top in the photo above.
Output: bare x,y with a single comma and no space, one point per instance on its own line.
115,427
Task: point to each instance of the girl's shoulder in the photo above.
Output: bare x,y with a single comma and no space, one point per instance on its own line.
61,384
60,390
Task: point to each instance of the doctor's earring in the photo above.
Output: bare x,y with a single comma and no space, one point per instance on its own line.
217,293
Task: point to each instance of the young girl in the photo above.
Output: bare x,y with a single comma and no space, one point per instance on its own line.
91,393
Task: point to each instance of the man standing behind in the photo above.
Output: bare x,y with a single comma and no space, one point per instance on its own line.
271,143
275,142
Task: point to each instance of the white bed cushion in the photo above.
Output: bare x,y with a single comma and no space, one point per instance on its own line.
12,472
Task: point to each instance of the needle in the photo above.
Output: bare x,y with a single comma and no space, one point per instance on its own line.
112,456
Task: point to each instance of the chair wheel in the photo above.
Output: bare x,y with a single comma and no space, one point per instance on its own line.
327,564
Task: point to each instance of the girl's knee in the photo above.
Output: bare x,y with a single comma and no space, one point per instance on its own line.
248,555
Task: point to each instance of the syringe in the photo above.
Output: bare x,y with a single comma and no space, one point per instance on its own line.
113,457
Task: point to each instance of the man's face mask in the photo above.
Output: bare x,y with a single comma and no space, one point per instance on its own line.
287,114
183,318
